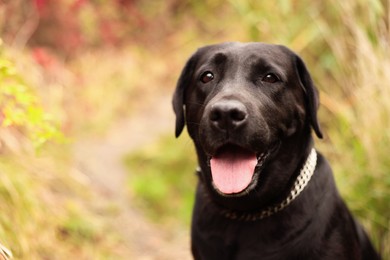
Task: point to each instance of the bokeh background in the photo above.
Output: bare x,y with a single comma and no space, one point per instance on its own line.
89,167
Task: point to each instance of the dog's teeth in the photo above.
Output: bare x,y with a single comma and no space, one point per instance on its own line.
260,157
208,161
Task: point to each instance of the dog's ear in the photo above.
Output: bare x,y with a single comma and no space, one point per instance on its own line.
311,94
178,96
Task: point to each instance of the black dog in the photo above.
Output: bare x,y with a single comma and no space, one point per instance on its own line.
263,191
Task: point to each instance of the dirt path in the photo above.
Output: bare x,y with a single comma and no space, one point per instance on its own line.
100,159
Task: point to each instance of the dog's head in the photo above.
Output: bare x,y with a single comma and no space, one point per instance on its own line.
245,105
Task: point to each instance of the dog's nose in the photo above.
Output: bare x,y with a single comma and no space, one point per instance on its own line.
228,114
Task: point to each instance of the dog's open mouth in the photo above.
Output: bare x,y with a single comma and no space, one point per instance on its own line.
234,169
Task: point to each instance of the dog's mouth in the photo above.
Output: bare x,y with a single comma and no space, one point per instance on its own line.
235,170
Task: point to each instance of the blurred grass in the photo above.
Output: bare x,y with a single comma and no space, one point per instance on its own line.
163,175
44,204
42,216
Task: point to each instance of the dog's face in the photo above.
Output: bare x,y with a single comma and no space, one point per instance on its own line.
241,104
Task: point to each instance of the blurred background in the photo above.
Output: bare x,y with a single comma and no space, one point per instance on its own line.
89,166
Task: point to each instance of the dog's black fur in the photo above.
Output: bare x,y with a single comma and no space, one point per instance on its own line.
260,97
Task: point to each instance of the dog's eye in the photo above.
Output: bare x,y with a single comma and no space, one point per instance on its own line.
271,78
206,77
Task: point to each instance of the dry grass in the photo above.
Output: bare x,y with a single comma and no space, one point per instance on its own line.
357,110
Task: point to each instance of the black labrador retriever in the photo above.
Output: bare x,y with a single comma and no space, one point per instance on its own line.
263,192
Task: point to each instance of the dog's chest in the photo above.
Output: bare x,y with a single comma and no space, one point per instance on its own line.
220,238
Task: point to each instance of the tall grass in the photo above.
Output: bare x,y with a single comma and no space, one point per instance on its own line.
360,135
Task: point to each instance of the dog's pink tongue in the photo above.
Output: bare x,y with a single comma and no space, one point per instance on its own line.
232,170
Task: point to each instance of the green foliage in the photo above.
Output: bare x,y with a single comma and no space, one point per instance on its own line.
160,178
20,107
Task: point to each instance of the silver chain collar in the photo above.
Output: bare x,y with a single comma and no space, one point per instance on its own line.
300,183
